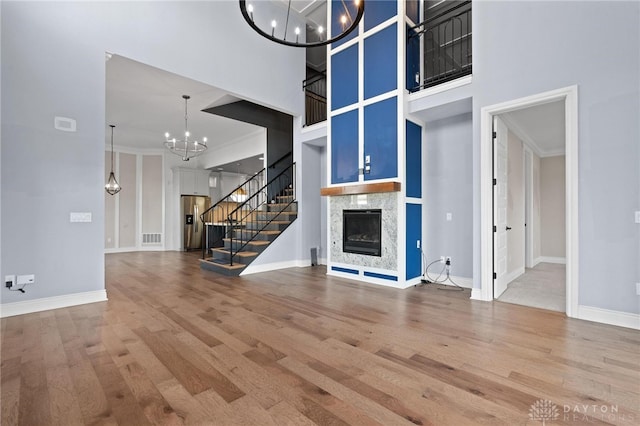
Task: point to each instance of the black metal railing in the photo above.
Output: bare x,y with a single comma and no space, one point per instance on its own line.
315,99
215,217
445,39
244,223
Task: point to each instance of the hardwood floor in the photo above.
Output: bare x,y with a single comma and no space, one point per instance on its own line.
178,345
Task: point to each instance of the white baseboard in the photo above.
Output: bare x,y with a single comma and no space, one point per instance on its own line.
256,269
550,259
132,249
514,274
476,294
606,316
55,302
460,281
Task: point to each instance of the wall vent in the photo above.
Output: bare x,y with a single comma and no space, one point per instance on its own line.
151,238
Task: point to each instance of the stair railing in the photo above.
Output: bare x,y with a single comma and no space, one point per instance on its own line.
218,213
315,99
446,42
267,199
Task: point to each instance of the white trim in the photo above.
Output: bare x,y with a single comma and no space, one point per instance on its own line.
55,302
570,97
400,283
453,84
344,109
339,185
606,316
381,26
256,269
476,294
157,247
514,274
550,259
460,281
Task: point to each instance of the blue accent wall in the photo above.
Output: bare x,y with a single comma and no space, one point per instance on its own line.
414,233
345,270
378,11
381,139
413,152
381,276
344,78
337,10
344,147
380,62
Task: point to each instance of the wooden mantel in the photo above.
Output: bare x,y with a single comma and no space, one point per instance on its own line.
365,188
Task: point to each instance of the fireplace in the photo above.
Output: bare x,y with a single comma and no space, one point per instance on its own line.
362,231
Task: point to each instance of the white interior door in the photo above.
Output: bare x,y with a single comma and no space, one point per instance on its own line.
500,246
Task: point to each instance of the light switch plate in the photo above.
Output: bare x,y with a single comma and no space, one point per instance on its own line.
80,217
638,216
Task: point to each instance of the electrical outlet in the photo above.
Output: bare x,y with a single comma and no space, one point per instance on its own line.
9,280
638,216
448,259
441,259
638,289
417,243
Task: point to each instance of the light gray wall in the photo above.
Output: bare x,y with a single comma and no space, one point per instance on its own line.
310,200
57,67
515,204
447,185
552,207
522,48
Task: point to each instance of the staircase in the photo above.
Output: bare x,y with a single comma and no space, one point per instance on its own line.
253,224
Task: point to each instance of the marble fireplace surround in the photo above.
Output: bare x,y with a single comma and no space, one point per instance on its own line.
385,201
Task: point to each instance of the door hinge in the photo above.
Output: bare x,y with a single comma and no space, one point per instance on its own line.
495,181
495,135
495,276
495,229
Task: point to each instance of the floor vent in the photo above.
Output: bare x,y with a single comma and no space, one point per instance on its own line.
151,238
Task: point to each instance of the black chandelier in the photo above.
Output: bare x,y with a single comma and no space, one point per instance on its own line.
350,16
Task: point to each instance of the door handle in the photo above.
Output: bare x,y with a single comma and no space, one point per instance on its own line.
508,228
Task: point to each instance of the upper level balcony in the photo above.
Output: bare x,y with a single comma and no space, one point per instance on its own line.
439,48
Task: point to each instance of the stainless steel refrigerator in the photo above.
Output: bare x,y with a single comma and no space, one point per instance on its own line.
192,207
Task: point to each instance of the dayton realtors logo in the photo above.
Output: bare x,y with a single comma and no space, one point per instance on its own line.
545,411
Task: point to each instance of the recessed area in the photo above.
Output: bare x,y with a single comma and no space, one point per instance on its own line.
362,232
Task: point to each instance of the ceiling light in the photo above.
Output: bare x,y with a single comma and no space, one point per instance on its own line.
112,187
185,148
348,10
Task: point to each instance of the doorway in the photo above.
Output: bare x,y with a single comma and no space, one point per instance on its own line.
529,195
487,253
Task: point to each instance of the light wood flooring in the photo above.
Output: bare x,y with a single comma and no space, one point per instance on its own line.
177,345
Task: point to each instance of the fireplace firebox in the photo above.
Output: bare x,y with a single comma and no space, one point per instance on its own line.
362,232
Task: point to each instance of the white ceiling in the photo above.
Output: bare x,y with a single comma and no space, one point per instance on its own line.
542,127
144,102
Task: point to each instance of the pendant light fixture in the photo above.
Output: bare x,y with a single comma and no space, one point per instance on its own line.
185,148
112,187
269,21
